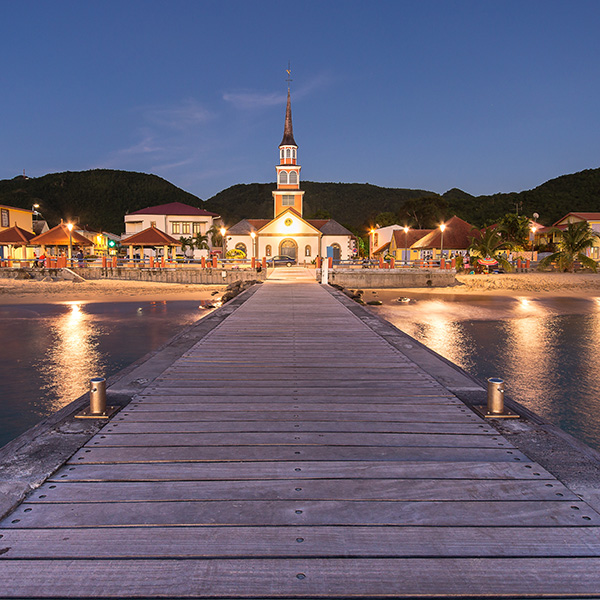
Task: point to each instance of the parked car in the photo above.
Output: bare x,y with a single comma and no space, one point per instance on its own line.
279,261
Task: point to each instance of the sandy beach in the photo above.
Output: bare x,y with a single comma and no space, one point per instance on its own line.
18,291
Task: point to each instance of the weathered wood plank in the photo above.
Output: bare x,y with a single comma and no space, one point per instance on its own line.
292,453
305,512
304,578
299,470
255,542
298,438
313,490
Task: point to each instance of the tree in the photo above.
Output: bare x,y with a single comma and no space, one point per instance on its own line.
385,219
423,213
515,229
201,241
490,245
573,242
216,239
186,242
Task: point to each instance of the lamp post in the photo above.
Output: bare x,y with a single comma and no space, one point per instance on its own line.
371,237
442,228
223,232
405,244
70,228
253,236
34,210
533,230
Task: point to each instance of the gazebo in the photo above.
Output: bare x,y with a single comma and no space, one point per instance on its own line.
60,236
150,238
455,239
13,238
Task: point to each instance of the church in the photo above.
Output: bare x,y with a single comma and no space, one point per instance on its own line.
289,233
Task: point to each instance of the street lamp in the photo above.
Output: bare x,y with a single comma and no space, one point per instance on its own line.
442,228
253,236
223,232
371,237
533,230
70,228
406,244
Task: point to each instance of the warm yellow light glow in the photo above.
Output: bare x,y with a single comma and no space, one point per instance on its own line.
533,229
372,231
252,234
70,226
223,231
36,206
406,229
443,227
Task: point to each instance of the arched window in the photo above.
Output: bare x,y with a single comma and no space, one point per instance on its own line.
307,250
268,250
337,251
293,177
281,153
287,153
242,248
293,152
283,177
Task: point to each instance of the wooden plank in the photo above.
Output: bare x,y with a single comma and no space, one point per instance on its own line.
263,542
303,578
235,427
307,489
300,438
299,470
305,512
292,453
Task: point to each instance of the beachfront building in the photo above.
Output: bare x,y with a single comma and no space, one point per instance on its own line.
175,219
380,238
10,216
547,235
400,245
454,240
289,233
16,225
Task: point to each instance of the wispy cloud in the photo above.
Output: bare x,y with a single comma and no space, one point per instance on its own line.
189,113
253,100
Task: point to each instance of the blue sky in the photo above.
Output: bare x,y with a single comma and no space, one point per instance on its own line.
487,96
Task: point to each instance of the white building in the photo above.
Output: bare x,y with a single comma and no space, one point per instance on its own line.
288,233
175,219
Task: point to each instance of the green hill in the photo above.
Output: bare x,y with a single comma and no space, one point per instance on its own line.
99,198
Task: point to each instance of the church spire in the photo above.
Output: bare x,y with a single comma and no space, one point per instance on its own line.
288,130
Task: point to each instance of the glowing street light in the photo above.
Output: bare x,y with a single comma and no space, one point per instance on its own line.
371,238
533,230
253,236
223,232
70,228
442,228
406,244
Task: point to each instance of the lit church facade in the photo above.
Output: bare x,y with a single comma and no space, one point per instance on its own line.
288,233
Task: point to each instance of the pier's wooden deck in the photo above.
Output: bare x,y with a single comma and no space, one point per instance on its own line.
293,453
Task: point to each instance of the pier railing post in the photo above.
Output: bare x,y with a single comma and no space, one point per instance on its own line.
97,408
495,401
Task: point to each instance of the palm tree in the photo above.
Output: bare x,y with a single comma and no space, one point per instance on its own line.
186,242
216,239
515,229
489,244
201,241
573,242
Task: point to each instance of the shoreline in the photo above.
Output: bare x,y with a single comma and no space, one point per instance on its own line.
532,285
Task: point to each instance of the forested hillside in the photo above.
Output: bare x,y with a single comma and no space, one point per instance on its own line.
101,198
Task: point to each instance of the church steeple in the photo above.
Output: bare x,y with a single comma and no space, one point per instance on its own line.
288,130
288,194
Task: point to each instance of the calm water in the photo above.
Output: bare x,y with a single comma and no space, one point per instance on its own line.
49,352
547,350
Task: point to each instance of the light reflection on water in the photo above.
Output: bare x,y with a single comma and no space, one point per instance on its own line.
544,349
49,353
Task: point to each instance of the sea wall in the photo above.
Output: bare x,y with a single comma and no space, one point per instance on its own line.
391,278
166,275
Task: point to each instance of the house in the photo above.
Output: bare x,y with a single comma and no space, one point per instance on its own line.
454,239
175,219
289,233
400,245
546,235
10,216
380,238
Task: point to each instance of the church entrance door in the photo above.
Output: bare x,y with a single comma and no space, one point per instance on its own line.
289,248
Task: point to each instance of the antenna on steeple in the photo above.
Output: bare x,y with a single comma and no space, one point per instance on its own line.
289,75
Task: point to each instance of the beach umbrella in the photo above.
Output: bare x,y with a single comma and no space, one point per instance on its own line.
487,262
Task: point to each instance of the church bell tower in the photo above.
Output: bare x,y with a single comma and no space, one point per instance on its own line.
288,194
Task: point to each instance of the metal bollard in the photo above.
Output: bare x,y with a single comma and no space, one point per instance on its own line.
495,401
97,408
495,395
98,396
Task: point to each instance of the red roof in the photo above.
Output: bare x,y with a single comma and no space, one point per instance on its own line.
150,237
15,236
457,236
408,239
175,208
59,236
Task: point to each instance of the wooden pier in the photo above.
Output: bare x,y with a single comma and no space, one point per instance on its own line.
295,453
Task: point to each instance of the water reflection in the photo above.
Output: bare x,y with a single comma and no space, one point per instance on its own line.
545,349
73,357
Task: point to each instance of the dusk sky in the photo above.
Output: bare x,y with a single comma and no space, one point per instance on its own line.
485,96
